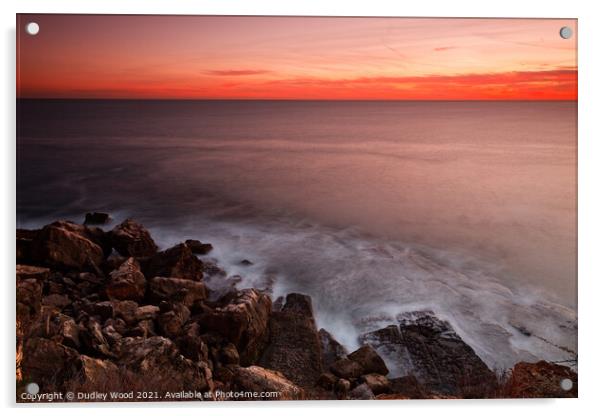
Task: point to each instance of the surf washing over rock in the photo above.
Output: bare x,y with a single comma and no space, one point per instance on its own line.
112,307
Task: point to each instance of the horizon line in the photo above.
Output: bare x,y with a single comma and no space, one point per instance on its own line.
282,99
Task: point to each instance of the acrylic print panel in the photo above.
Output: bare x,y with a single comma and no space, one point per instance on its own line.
295,208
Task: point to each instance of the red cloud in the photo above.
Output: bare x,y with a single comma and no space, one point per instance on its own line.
238,72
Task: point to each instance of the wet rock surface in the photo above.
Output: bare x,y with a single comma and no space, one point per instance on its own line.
106,311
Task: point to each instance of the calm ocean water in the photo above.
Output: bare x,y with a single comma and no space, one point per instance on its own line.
373,208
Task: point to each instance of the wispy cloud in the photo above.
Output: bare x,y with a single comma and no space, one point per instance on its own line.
237,72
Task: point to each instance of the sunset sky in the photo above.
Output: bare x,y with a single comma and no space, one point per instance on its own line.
219,57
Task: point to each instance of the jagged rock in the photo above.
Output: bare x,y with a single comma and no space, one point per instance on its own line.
172,321
177,261
47,362
245,262
243,321
361,392
346,368
181,290
294,342
56,300
369,360
97,218
127,282
341,388
332,350
29,304
93,338
432,351
159,358
93,372
104,310
147,312
32,272
131,239
377,382
126,310
197,247
66,245
229,354
541,379
327,380
261,380
191,344
144,328
408,387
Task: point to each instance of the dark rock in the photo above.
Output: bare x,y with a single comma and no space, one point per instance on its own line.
131,239
66,245
159,358
346,368
198,248
177,261
341,388
376,382
540,380
127,282
32,272
96,372
409,387
97,218
29,304
243,321
147,312
56,300
191,344
229,354
47,362
172,322
369,360
246,262
361,392
327,380
261,380
332,350
126,310
144,328
294,343
431,350
181,290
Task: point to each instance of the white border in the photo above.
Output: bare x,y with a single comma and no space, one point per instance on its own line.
590,175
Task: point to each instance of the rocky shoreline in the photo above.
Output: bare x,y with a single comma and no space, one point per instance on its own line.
101,312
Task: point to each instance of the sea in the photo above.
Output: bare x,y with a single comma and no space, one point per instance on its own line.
467,209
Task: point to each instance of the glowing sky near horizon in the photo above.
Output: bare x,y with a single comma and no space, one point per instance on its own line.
221,57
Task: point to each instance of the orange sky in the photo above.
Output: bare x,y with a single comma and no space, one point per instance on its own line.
219,57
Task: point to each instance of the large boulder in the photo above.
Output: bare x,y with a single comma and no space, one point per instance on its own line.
47,362
346,369
185,291
159,358
66,245
178,261
369,360
97,218
261,381
127,282
199,248
431,350
243,321
541,380
94,374
131,239
294,343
